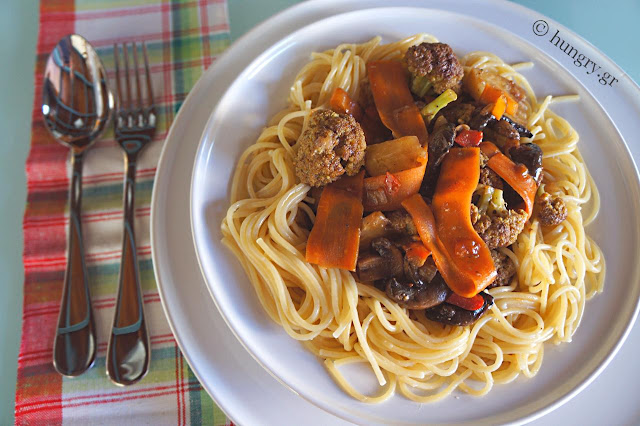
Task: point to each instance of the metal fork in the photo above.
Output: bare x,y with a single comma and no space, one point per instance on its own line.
128,352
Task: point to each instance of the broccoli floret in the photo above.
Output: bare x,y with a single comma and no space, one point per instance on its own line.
490,178
433,66
332,145
551,210
505,267
497,225
432,108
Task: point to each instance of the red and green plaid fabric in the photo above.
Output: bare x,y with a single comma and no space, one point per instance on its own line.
183,39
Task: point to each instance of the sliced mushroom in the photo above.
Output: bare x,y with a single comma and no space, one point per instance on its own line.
373,226
481,117
387,263
424,273
440,141
522,130
501,133
371,267
458,112
530,155
401,222
447,313
418,295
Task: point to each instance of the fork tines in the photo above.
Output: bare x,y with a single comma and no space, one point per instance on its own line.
141,114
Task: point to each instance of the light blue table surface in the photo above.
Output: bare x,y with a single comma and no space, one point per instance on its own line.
611,26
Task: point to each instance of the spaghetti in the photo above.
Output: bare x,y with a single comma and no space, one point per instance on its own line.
343,321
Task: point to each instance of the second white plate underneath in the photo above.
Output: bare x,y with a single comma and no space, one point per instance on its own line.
208,345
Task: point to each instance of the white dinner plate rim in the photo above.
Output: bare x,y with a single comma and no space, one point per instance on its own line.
172,320
257,355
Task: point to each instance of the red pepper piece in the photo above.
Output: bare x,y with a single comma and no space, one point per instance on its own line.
469,303
469,138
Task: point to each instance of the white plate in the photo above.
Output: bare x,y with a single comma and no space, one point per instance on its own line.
225,370
261,91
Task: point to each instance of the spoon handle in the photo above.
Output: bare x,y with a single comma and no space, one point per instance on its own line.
128,353
74,347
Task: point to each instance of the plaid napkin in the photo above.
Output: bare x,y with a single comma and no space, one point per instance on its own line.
183,38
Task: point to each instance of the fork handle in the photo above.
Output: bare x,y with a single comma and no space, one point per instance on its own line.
74,346
128,352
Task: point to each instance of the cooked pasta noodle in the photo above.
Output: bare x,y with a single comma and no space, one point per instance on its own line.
343,321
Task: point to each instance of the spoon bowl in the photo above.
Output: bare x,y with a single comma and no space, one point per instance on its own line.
77,106
76,102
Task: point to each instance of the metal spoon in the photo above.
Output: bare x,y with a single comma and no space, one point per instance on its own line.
77,106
